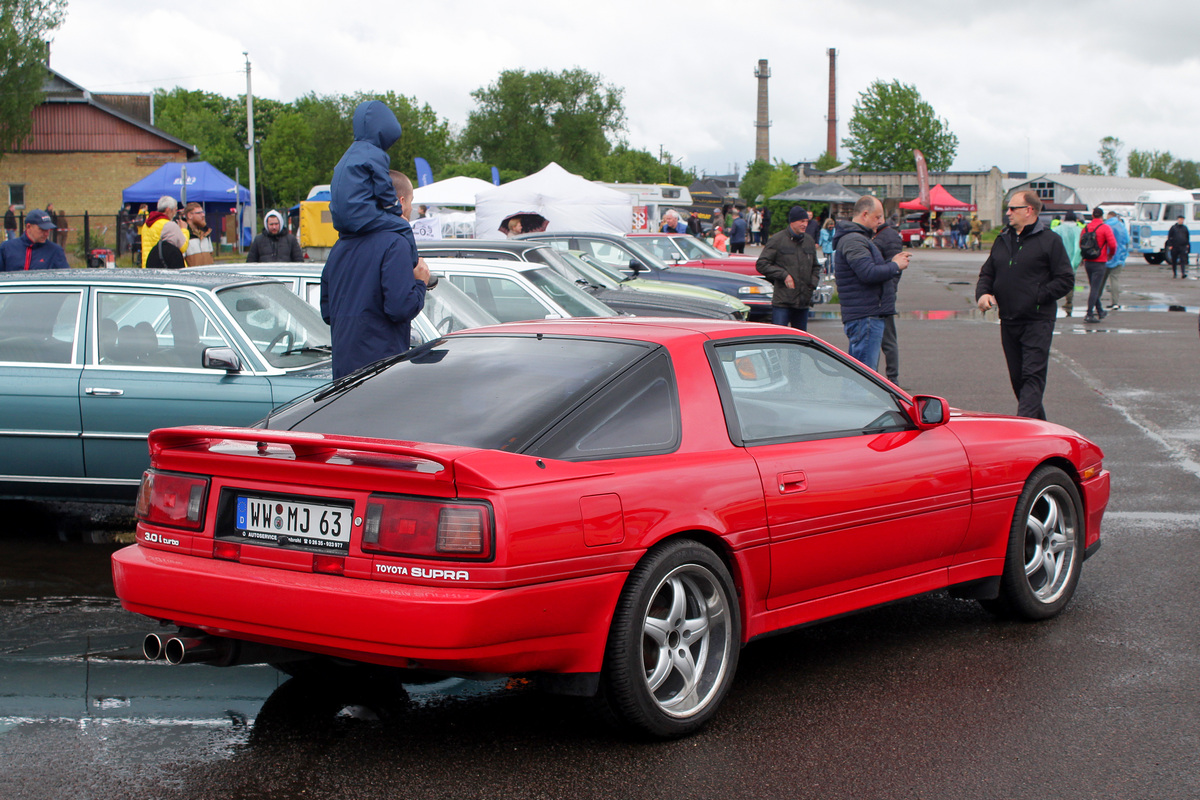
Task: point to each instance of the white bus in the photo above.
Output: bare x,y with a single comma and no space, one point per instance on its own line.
1153,215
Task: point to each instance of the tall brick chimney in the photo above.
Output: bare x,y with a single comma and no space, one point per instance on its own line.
831,117
762,142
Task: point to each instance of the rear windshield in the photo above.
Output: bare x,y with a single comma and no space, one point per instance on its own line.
496,392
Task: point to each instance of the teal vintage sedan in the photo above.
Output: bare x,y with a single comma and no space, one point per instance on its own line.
92,360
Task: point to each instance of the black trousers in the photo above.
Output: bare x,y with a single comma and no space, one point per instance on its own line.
1027,351
891,348
1179,260
1097,274
739,247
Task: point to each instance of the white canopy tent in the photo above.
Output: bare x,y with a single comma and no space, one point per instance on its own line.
568,202
457,191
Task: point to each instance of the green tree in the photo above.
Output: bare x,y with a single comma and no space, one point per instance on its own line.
524,121
890,120
781,178
827,161
24,25
290,168
627,165
424,135
1110,154
1151,164
477,169
755,180
208,121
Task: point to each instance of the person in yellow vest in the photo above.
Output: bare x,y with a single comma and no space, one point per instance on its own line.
152,229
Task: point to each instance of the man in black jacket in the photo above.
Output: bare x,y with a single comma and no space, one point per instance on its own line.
890,244
1179,247
789,262
1024,276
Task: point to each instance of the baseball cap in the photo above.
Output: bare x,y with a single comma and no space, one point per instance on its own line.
39,218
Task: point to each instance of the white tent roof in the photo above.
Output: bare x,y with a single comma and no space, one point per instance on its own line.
457,191
567,201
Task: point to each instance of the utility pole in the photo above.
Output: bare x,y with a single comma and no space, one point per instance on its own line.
250,147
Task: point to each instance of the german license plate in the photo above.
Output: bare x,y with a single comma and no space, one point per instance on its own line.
288,523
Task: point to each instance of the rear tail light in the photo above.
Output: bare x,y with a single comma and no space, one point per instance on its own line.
418,527
171,499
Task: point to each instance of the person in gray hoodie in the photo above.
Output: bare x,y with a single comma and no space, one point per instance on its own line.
276,243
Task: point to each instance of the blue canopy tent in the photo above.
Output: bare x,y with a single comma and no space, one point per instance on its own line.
205,184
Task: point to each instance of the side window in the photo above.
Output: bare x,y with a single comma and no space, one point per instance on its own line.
150,330
312,293
1173,211
506,299
39,327
662,249
636,415
788,390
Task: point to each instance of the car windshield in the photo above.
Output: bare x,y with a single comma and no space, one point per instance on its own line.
450,309
589,272
286,330
693,249
497,392
574,300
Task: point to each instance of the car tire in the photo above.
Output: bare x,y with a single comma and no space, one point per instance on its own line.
1155,258
674,643
1045,548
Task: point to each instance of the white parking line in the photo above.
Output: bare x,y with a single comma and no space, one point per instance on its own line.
1177,454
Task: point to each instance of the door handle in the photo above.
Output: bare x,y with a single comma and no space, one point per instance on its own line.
96,391
791,482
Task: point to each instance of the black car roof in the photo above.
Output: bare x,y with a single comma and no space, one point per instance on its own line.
149,277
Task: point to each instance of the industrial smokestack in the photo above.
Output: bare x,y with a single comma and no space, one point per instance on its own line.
831,117
762,142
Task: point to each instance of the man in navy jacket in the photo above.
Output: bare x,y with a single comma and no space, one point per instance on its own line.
33,249
371,288
864,280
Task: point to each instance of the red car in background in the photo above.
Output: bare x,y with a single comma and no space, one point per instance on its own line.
912,233
680,249
612,507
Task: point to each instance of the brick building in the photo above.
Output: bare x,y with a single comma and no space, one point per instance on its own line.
83,150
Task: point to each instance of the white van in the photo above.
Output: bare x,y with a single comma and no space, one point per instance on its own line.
1153,215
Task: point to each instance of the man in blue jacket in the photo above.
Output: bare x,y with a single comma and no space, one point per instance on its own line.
371,288
864,280
737,233
33,249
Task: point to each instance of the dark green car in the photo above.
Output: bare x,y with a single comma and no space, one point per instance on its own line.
92,360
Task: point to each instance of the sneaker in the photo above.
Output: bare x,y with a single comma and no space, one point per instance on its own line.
1115,307
1090,318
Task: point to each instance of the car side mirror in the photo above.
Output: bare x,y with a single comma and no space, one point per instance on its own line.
636,266
929,411
225,358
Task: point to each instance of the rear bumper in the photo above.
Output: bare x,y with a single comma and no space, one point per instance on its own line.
552,627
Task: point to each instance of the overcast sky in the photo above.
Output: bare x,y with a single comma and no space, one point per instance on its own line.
1024,85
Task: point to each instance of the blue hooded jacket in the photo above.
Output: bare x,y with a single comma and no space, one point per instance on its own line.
361,197
369,297
1122,236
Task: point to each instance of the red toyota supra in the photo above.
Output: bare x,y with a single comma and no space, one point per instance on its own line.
612,507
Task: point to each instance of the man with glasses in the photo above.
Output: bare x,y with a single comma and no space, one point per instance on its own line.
1025,275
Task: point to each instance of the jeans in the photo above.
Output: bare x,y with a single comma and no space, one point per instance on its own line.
891,349
866,337
790,317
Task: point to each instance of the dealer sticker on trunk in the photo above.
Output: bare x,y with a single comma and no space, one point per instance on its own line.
292,524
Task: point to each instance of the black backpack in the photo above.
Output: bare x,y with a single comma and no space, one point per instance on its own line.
1089,245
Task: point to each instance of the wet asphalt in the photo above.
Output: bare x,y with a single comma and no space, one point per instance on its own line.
927,698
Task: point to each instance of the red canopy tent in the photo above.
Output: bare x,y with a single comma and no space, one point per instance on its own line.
941,200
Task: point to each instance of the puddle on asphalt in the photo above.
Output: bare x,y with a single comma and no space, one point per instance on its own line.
974,313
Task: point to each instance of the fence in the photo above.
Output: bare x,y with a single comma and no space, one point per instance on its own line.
115,232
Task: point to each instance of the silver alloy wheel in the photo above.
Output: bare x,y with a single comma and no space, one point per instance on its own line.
1050,533
686,640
